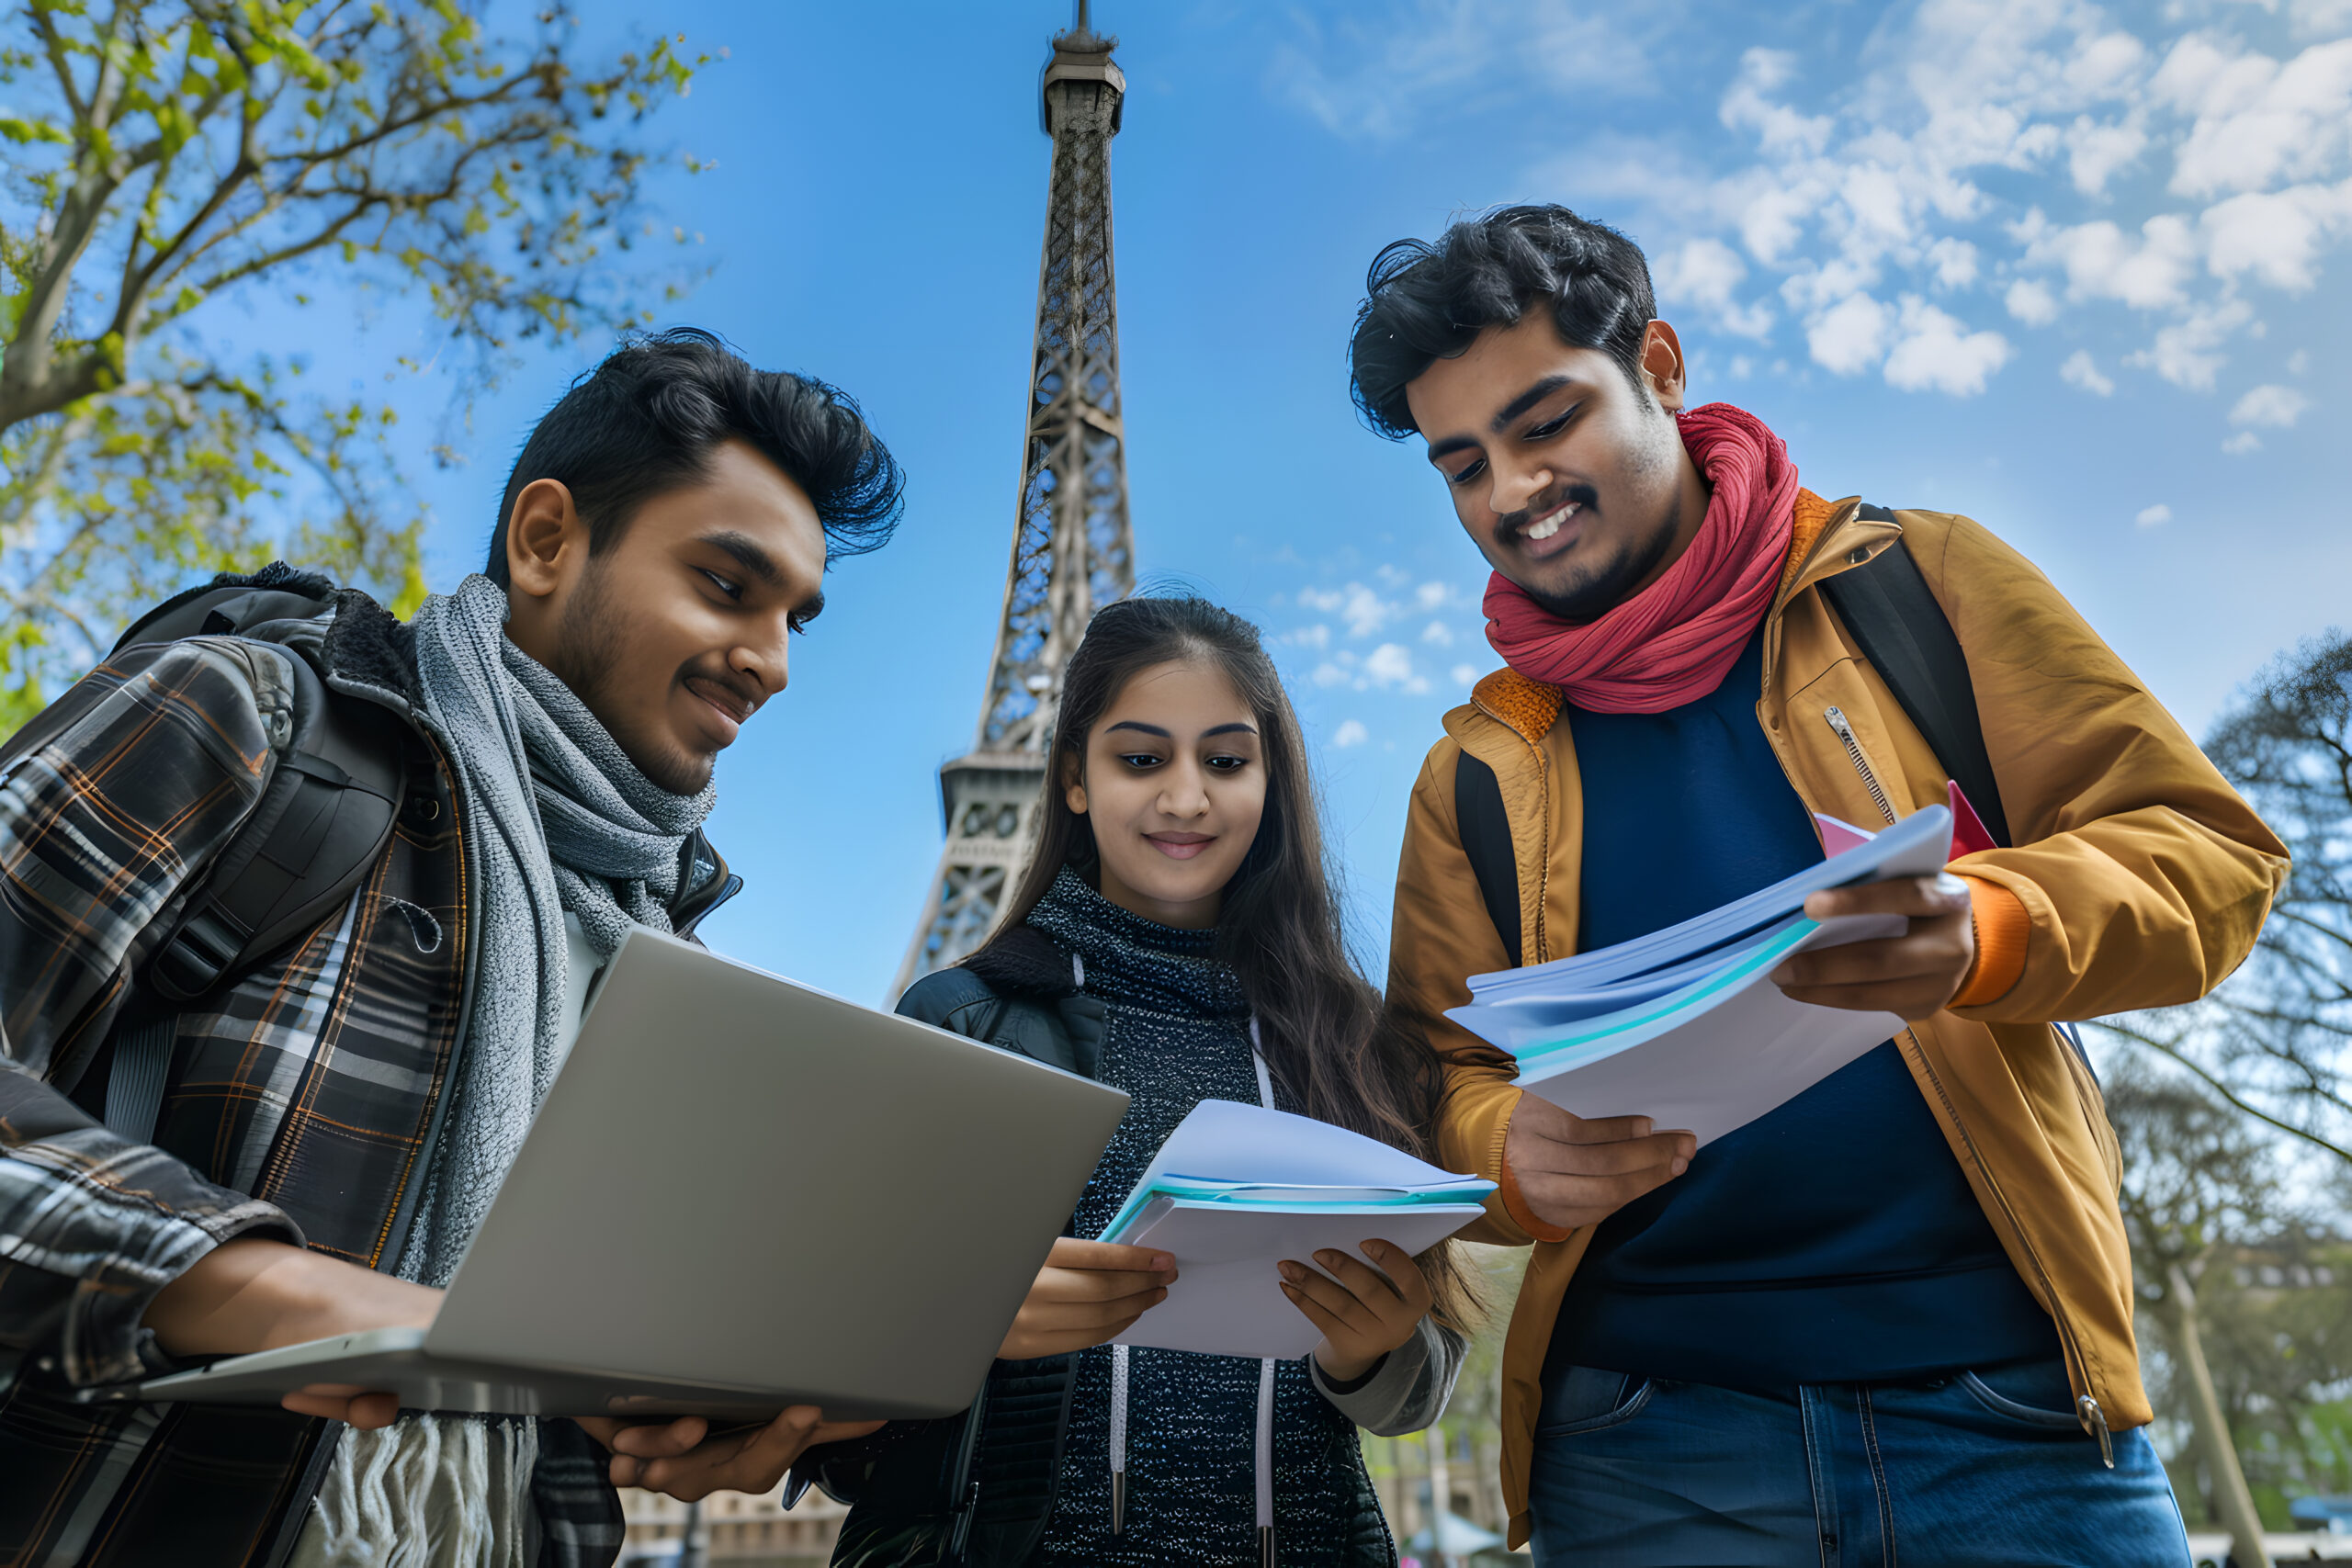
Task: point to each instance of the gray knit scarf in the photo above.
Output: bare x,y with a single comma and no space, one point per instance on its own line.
556,818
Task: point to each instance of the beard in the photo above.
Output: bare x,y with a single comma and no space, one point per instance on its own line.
1611,583
1651,470
592,641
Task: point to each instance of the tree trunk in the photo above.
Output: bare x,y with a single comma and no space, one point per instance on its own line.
2232,1501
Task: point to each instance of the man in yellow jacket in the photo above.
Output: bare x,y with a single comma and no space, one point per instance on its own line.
1892,1317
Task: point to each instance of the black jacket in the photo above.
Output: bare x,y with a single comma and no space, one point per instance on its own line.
959,1490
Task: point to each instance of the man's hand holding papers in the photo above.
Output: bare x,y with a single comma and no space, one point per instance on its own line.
1686,1028
1913,975
1572,1172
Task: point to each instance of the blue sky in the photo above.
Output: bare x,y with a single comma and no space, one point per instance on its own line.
2073,269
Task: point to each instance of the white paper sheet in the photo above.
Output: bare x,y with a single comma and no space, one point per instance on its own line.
1227,1299
1710,1068
1268,1186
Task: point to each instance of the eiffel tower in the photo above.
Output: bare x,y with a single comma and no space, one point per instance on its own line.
1072,549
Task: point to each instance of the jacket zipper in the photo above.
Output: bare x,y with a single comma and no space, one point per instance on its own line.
2087,1408
1836,719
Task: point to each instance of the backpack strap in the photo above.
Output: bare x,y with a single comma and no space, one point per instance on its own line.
338,775
1892,616
1890,611
1485,839
322,821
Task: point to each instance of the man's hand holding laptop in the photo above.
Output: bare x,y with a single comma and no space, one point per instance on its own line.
254,1294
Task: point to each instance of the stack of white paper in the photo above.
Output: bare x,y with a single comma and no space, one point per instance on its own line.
1237,1189
1684,1025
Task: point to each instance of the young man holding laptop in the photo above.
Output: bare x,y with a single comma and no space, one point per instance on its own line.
1898,1307
339,1116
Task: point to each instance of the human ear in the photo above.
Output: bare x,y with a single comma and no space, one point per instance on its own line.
542,525
1663,367
1073,787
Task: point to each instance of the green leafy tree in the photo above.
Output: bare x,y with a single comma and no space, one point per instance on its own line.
160,159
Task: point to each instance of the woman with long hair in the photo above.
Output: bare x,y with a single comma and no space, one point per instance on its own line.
1176,935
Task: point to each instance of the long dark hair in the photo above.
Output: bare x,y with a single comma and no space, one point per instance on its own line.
1326,1039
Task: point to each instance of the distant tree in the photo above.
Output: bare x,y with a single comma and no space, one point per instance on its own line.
160,157
2196,1177
2276,1040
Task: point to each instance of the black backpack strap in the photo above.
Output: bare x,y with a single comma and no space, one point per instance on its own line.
1894,616
1889,609
1485,839
322,821
142,1066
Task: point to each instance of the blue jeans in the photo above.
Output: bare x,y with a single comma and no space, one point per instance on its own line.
1976,1468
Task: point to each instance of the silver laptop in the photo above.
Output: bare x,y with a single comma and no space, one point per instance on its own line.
740,1194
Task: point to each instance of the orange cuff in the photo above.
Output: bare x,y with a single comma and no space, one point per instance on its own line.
2002,926
1516,1207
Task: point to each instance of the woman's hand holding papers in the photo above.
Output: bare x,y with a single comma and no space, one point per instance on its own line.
680,1459
1573,1172
1088,1292
1912,975
1364,1312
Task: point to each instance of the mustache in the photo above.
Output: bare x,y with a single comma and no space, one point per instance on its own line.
1584,495
744,692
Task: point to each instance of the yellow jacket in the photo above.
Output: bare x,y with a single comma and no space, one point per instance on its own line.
2139,880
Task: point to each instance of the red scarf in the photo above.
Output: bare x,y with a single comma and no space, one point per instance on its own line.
1674,641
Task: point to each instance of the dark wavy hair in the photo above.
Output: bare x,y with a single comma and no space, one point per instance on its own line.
1425,302
645,422
1326,1037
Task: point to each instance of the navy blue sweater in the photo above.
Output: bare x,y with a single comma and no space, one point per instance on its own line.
1832,1240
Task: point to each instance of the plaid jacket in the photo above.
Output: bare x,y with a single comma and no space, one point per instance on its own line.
301,1103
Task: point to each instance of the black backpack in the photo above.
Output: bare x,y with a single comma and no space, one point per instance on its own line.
338,776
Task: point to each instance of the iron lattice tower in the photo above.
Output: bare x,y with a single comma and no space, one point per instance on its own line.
1072,549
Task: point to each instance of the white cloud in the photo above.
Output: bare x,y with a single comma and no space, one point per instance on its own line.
1953,263
1329,674
1936,351
1706,274
1377,72
1317,636
2102,262
1465,674
1439,634
2148,516
1849,336
1364,610
1351,732
2259,121
2096,152
2187,353
2275,236
2274,406
1429,596
2031,301
2243,442
2082,370
2314,18
1389,665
